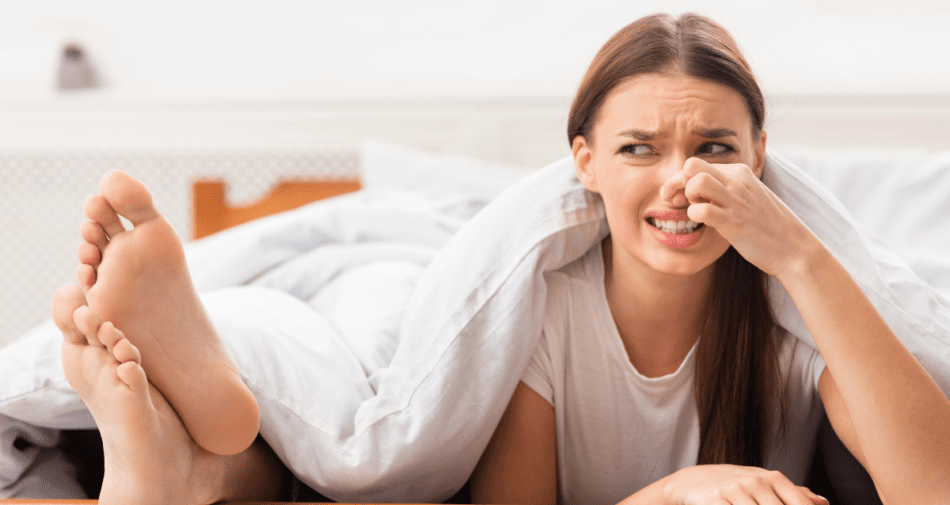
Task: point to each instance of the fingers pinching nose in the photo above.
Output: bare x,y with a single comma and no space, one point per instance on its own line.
673,185
679,198
674,191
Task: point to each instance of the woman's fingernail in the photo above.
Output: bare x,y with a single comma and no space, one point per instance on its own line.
826,500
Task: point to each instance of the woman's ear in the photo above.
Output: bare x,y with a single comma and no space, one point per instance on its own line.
759,148
583,164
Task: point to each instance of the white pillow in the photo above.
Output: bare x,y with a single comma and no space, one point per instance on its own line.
903,197
394,166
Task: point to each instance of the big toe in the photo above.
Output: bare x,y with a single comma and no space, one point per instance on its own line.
66,300
128,196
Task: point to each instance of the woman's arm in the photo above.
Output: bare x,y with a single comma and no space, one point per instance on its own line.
520,464
882,404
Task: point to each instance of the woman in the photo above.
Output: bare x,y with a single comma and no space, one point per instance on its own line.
659,350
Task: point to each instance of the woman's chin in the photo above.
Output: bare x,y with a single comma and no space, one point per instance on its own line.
678,266
685,254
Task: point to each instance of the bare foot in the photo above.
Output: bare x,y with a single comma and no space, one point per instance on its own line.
149,457
138,280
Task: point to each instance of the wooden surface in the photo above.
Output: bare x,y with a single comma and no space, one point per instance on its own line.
213,214
74,502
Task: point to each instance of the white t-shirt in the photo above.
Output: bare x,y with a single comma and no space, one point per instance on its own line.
619,431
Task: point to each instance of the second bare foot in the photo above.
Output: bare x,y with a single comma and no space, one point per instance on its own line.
150,458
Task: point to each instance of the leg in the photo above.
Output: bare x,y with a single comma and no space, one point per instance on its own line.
149,456
138,280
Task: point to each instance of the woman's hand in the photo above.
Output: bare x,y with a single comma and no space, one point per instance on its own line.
735,485
731,199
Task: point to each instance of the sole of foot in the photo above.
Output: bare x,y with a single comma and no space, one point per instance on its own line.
138,280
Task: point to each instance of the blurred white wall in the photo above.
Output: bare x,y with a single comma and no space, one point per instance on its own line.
187,80
408,49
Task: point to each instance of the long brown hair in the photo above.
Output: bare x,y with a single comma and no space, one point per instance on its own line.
738,379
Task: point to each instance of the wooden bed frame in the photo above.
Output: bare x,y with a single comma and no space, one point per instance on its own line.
213,214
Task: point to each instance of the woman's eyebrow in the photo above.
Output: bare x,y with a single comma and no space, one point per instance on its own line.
640,134
715,133
709,133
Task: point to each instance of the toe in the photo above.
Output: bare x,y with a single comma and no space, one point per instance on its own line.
66,300
109,335
91,232
88,254
124,351
132,374
86,276
88,323
128,196
98,209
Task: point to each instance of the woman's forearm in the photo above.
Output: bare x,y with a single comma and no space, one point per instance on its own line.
900,417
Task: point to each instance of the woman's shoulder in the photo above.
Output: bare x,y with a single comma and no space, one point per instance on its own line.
575,298
577,283
587,269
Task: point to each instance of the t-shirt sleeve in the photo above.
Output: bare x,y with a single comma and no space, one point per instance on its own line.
816,365
805,361
538,375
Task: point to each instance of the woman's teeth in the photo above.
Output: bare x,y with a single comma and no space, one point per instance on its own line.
676,227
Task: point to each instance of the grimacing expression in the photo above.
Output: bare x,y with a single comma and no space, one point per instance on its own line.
646,129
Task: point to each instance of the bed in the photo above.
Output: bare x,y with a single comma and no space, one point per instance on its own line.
385,229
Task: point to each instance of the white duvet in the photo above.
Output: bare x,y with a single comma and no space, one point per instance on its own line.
383,332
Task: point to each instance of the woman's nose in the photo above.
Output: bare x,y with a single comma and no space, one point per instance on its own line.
678,199
673,184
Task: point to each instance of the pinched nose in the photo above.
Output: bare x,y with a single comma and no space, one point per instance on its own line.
674,191
673,188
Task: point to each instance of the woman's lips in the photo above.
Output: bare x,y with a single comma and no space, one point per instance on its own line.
680,240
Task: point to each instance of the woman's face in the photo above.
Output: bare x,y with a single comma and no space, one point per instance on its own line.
645,131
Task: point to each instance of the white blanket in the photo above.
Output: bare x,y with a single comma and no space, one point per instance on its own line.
383,333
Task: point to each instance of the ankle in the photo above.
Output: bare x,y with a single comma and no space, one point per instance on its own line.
253,475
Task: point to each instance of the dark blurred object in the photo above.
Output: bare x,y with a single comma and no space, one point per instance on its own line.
75,70
837,475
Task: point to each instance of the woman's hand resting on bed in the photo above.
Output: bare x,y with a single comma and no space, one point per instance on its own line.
731,199
721,484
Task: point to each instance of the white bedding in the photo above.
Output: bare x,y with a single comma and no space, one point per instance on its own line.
382,345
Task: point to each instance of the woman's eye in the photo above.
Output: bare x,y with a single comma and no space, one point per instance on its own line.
715,149
637,149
